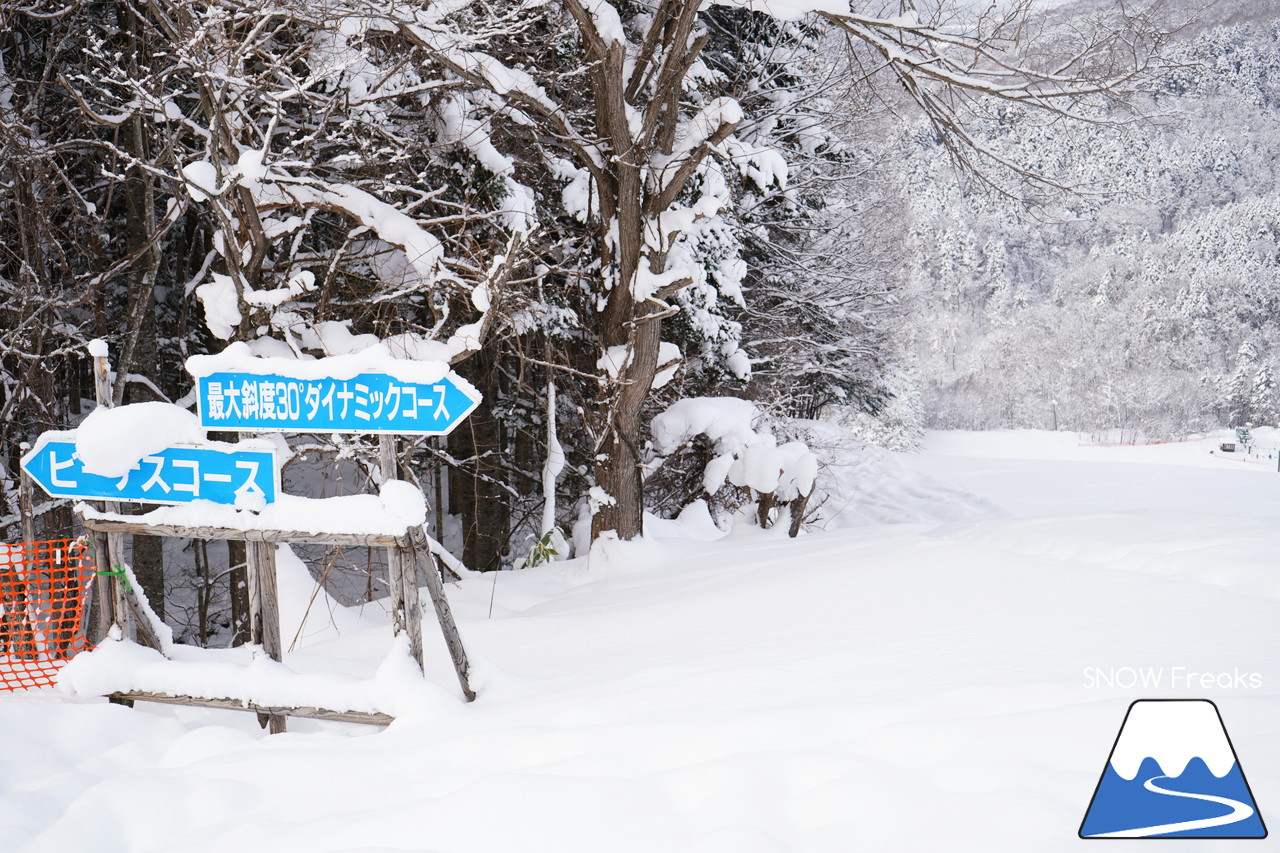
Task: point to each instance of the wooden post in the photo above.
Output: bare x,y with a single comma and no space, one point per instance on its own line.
115,551
405,604
115,542
264,613
267,601
254,593
442,482
141,620
103,592
115,603
406,612
444,615
102,380
395,569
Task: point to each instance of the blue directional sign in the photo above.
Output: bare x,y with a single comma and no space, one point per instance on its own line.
366,403
175,475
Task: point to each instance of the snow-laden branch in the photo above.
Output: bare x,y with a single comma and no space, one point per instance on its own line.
273,188
746,455
707,128
270,187
923,56
516,87
974,62
599,23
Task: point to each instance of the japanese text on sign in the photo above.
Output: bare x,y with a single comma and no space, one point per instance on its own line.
369,402
174,475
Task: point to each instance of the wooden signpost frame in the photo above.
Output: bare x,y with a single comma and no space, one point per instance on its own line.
407,554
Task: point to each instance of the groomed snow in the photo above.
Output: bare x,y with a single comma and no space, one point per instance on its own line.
912,686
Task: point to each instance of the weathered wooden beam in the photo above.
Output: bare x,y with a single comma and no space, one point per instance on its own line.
408,602
120,525
141,620
374,718
264,613
406,612
444,615
104,588
270,599
252,593
103,591
115,548
114,551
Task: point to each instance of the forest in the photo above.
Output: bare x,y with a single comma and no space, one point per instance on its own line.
1141,300
628,225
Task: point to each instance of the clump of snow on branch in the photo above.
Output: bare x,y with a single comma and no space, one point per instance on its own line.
421,263
475,135
222,303
614,360
746,455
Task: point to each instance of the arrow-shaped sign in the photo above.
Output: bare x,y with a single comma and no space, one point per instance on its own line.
175,475
365,403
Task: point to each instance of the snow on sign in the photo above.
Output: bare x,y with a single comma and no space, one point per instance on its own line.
1173,773
174,475
369,392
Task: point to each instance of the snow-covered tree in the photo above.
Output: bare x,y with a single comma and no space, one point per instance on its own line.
1144,284
631,116
629,203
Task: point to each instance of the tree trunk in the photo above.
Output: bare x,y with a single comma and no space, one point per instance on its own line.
764,509
617,460
237,555
148,551
476,492
617,465
139,352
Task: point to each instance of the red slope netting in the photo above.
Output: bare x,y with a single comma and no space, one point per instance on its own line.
44,587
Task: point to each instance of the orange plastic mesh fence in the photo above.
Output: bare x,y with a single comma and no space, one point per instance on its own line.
44,587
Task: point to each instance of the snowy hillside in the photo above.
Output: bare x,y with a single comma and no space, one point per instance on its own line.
1145,298
929,685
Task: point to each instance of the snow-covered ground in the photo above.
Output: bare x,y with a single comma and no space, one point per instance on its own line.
927,685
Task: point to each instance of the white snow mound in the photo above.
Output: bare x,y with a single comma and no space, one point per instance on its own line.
110,442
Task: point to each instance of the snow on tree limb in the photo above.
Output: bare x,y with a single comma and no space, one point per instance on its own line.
947,69
520,90
747,455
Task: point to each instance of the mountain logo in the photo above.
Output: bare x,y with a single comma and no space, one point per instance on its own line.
1173,773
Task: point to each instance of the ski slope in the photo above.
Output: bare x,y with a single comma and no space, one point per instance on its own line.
875,686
